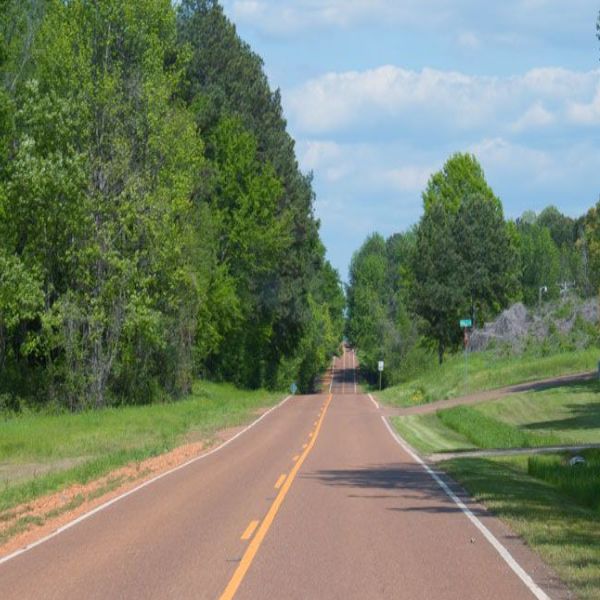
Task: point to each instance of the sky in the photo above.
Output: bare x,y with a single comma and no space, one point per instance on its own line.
379,93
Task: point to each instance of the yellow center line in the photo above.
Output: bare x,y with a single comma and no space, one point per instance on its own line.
304,446
256,542
250,530
280,481
296,457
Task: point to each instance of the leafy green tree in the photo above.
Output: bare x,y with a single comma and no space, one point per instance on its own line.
460,178
154,223
98,203
464,257
562,228
540,262
590,246
225,80
438,293
489,265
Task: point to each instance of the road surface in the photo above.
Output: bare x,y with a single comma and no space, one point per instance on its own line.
316,501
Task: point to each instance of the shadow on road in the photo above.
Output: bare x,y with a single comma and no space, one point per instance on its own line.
409,482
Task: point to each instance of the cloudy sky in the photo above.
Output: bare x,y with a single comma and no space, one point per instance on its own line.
378,94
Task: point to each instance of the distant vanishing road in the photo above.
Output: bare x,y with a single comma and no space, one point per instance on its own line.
329,505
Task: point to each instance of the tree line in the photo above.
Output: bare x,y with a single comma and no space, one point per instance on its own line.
154,223
463,260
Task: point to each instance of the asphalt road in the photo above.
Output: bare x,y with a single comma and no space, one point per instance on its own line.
317,501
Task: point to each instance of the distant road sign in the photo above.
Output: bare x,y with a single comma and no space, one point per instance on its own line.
464,323
380,365
293,388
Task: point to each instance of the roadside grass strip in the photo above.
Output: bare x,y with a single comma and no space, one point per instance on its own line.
113,437
486,432
566,415
570,412
485,371
580,482
428,434
552,511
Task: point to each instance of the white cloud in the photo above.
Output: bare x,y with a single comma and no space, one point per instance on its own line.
586,114
409,178
449,99
469,40
536,116
524,19
317,154
499,153
281,17
249,9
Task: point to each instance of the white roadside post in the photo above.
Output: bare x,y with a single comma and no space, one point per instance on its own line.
380,369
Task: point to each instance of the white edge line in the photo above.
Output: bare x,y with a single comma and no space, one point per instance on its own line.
502,551
374,401
138,488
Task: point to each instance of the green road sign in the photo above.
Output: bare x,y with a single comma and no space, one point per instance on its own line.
464,323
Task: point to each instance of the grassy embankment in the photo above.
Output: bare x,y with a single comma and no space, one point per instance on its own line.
485,371
42,453
565,415
554,506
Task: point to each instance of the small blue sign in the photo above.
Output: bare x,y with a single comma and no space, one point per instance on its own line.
293,388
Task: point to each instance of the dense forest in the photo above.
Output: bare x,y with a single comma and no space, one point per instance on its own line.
154,224
463,260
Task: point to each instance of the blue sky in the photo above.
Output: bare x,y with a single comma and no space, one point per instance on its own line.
378,94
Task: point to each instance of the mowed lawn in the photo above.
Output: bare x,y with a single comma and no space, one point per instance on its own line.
484,371
570,413
566,415
553,505
41,453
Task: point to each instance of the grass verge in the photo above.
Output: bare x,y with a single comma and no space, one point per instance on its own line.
485,371
564,533
580,482
428,434
486,432
113,437
569,414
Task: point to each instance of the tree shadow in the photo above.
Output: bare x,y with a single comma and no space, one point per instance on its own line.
401,482
585,416
587,385
551,522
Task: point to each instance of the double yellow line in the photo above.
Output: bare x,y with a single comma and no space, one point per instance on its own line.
258,539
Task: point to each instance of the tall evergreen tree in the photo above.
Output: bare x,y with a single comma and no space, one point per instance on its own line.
465,261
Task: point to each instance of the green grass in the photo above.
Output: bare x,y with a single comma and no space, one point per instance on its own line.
569,414
487,432
486,371
562,531
579,482
428,434
113,437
